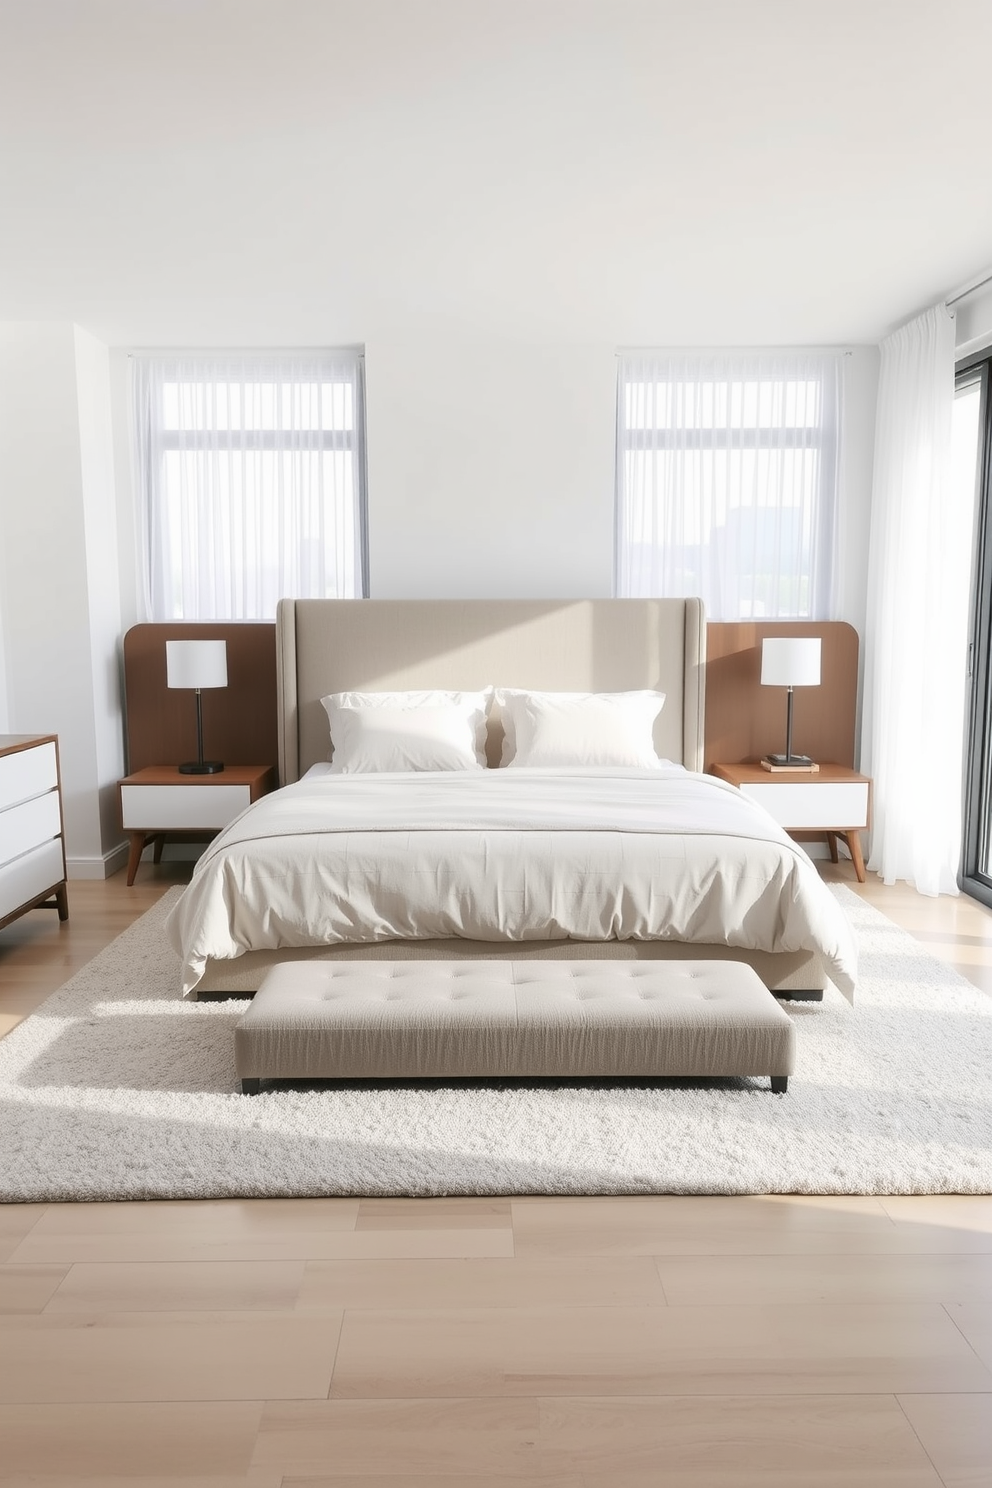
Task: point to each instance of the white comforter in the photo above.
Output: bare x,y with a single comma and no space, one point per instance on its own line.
507,855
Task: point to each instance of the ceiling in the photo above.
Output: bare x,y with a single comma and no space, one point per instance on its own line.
636,171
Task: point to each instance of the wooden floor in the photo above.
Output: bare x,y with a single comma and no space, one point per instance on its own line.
583,1343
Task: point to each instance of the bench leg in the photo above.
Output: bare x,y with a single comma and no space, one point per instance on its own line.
780,1084
799,994
250,1087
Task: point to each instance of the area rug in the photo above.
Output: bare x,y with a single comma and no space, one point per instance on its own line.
116,1089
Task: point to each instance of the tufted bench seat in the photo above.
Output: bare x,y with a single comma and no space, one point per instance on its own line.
442,1019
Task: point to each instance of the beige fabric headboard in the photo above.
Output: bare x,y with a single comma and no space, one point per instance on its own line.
589,645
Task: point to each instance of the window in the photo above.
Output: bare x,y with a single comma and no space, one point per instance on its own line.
251,470
726,480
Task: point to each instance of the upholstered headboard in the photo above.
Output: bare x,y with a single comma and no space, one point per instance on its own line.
590,645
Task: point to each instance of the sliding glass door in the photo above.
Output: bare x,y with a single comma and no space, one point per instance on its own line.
973,469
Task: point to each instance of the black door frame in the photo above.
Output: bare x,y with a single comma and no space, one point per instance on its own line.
976,838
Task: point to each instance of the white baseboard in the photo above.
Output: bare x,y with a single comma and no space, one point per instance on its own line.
103,867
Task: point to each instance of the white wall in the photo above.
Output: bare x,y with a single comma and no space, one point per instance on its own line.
96,442
58,617
490,468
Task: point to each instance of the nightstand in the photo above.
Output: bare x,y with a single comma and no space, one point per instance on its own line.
159,802
834,802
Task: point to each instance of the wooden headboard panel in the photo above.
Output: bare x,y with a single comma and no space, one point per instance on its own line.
745,720
239,720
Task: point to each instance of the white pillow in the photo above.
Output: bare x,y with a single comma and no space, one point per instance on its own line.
579,728
433,730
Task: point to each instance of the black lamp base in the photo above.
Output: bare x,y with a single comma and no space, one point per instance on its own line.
201,767
784,760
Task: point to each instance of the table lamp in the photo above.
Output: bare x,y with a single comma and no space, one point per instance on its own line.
790,661
197,664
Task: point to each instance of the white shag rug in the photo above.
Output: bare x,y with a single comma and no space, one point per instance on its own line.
116,1089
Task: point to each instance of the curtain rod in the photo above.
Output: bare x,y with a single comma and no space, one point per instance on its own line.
733,351
968,289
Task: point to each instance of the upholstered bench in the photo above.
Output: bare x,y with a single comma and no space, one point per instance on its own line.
442,1019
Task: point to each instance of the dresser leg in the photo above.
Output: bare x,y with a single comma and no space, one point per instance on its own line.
62,901
854,844
137,840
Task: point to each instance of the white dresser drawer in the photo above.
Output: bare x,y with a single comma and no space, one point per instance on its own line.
30,875
172,807
29,825
834,804
26,773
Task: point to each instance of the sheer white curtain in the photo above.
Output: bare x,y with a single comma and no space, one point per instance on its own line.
250,473
919,581
727,479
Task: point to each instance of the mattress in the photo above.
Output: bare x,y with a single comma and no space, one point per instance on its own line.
511,855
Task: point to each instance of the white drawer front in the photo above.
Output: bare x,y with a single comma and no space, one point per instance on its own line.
835,803
27,773
145,807
30,875
29,825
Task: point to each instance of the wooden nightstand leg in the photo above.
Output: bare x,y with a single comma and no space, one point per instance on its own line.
159,841
832,844
62,901
854,843
137,840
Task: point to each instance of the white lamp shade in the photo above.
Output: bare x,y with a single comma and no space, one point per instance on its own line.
196,663
790,661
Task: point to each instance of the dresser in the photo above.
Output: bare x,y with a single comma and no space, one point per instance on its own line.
32,850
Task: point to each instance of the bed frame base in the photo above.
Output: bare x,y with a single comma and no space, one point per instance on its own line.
798,975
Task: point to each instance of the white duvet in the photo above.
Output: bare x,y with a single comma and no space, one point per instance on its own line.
584,854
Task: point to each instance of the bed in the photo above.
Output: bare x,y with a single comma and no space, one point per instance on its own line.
583,862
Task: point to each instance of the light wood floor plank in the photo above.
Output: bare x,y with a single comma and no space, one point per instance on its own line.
690,1280
682,1225
975,1322
16,1221
550,1281
28,1288
304,1244
217,1219
956,1431
400,1438
181,1286
439,1480
434,1214
141,1441
131,1480
858,1441
970,1212
58,1359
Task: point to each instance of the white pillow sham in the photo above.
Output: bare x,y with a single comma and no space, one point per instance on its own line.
542,729
426,730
